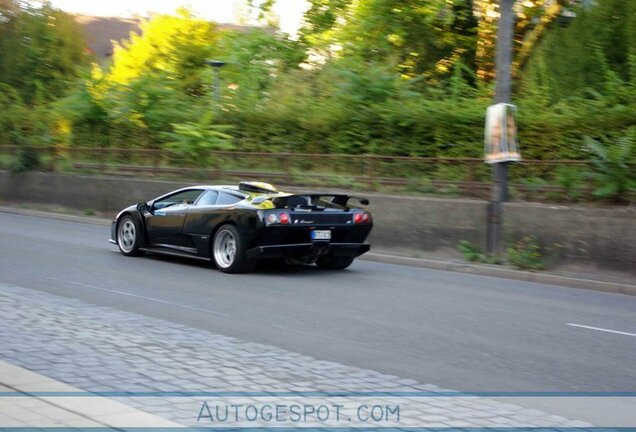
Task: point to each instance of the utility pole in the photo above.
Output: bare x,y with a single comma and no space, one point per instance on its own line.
503,64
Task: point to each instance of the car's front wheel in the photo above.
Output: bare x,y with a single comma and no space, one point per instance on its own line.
334,263
230,252
129,236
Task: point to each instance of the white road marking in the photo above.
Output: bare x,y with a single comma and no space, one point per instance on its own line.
152,299
601,329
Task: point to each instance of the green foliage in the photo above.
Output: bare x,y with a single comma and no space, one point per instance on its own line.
42,50
148,106
532,186
578,59
526,254
473,254
85,116
13,115
255,60
414,36
174,45
612,173
381,77
192,141
320,22
420,185
572,180
470,251
27,159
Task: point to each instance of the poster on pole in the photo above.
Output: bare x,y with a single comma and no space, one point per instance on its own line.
500,144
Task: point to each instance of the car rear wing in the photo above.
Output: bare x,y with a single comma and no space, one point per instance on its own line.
309,200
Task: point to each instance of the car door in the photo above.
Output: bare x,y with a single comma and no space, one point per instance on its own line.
164,221
210,210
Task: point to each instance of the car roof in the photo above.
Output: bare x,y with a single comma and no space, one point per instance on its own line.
231,188
234,189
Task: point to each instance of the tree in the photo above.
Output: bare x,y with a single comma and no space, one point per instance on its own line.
596,49
13,116
176,45
42,51
320,23
415,36
255,60
156,79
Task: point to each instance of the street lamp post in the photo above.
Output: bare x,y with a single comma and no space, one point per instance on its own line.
502,95
215,65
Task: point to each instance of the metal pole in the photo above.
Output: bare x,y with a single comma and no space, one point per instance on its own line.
502,95
217,87
216,80
503,61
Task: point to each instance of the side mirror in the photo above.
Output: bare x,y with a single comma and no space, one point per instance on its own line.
143,207
364,201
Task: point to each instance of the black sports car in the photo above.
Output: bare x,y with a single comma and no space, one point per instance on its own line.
236,226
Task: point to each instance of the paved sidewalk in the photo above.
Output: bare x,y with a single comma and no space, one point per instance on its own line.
100,349
23,410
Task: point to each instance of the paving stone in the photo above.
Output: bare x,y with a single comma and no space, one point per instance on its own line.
97,348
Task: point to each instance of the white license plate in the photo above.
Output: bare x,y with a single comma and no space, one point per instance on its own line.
321,235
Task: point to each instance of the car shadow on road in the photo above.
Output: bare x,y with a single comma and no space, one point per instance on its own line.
273,268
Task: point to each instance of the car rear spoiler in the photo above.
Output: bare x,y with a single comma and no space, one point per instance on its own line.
307,199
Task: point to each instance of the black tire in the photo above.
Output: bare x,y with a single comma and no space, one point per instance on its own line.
229,251
129,236
330,262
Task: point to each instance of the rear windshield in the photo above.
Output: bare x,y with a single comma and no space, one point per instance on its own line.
307,201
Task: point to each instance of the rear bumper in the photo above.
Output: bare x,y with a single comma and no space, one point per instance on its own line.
305,249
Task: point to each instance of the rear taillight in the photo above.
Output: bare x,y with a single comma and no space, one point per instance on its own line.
361,218
277,218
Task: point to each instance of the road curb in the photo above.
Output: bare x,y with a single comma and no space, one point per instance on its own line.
481,270
93,220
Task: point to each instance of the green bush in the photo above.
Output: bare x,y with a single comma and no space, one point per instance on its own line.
470,251
473,254
572,180
526,254
192,142
613,175
27,159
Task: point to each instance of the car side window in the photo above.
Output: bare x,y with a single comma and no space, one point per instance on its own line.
208,198
182,198
227,199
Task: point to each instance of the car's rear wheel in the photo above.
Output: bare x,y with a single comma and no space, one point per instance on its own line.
129,236
230,252
330,262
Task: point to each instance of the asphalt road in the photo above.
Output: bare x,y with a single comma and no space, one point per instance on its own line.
459,331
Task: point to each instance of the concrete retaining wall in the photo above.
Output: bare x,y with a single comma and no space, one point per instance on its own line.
416,226
605,235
